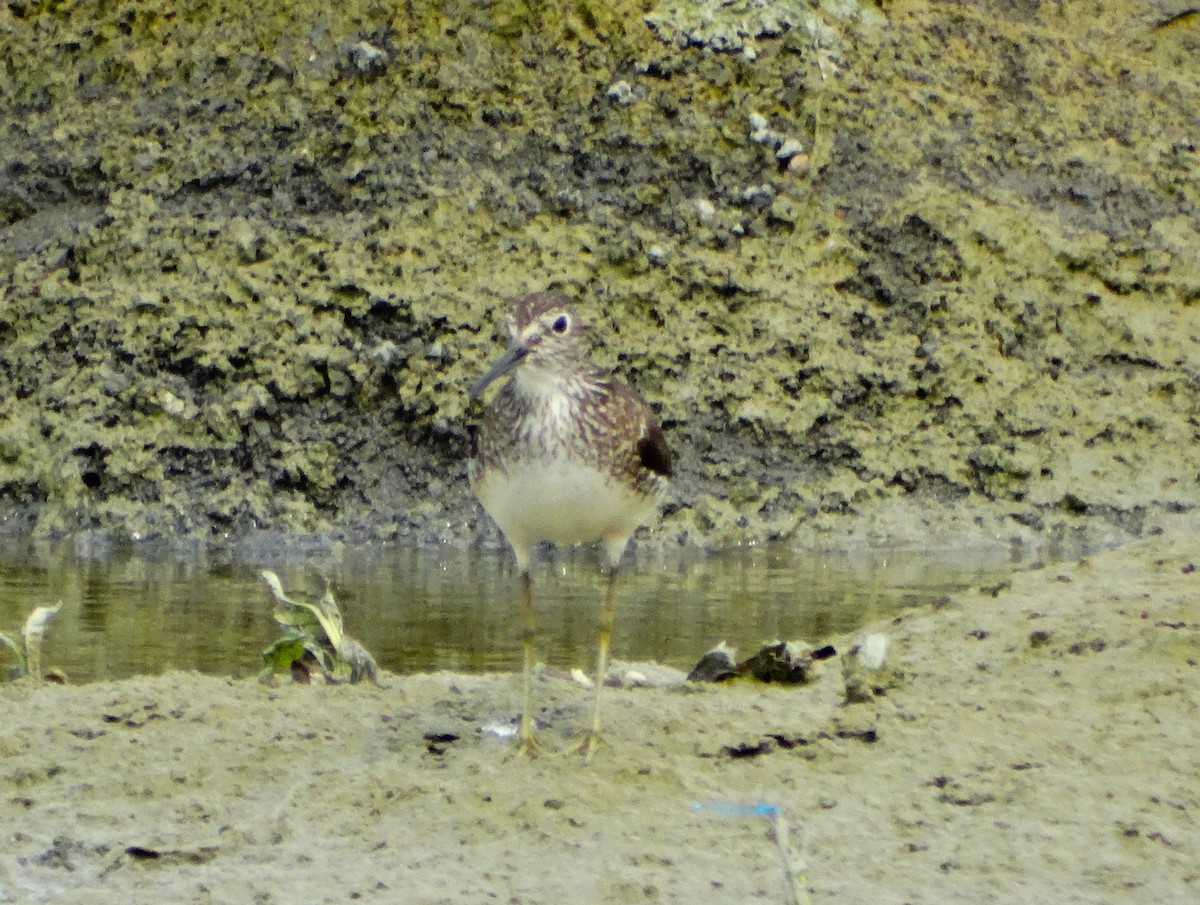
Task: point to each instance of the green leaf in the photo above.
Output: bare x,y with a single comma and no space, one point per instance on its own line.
280,655
316,628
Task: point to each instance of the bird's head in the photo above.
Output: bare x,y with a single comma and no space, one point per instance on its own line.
546,338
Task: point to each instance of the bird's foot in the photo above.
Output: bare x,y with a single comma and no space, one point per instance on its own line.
588,746
529,745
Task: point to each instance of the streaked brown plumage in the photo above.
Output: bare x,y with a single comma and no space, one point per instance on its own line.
566,453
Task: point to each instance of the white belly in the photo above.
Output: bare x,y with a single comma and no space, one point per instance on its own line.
562,501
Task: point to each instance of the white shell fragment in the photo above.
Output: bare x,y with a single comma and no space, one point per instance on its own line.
872,652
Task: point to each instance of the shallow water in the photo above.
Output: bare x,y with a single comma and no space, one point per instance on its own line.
416,610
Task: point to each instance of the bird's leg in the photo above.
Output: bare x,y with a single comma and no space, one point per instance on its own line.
592,739
528,740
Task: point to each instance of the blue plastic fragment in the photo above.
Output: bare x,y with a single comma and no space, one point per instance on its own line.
734,809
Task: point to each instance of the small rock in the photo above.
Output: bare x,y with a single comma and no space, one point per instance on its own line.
760,195
621,92
789,149
800,165
715,666
366,57
171,404
865,670
386,352
873,651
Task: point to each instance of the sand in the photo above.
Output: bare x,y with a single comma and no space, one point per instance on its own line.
1038,744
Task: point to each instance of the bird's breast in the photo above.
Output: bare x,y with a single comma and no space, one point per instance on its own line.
561,499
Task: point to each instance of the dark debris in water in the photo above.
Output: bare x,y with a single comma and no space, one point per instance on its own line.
787,742
777,741
747,749
868,736
715,666
436,743
780,662
994,590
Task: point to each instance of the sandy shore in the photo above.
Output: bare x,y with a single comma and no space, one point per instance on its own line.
1040,747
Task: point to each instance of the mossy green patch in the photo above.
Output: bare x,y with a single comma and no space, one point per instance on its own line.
251,258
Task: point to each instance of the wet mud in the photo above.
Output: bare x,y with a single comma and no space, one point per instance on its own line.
1032,741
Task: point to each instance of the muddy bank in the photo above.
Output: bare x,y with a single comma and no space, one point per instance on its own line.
1036,742
863,261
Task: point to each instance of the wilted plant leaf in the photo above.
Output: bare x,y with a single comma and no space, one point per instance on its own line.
28,647
15,672
362,664
304,614
298,616
316,628
331,617
16,647
35,629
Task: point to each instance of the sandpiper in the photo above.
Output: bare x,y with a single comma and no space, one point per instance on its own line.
566,453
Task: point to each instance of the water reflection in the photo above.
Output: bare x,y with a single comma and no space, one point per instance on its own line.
420,610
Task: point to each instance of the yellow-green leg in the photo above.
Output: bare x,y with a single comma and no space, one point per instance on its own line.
528,739
592,739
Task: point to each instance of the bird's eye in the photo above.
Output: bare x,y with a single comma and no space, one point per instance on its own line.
561,323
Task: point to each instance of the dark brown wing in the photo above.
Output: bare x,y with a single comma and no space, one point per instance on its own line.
620,427
653,451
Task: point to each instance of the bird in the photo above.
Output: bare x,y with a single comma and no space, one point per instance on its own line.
568,453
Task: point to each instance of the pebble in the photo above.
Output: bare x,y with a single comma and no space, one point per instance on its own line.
621,92
789,149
